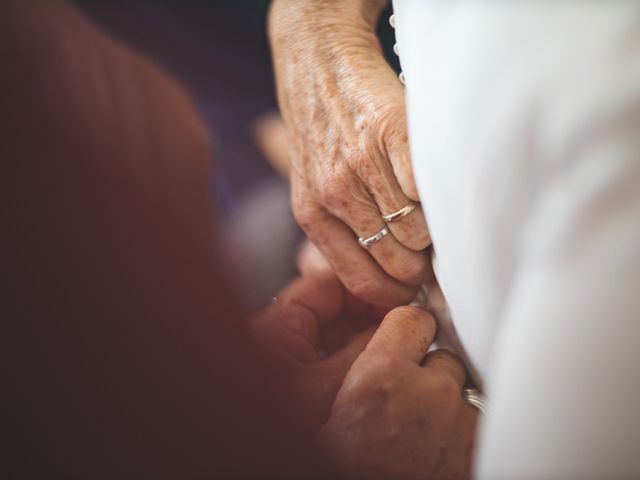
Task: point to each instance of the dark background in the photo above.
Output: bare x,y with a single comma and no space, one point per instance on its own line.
219,50
99,372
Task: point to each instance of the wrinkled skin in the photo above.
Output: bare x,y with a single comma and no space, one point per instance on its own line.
380,405
344,110
311,335
399,414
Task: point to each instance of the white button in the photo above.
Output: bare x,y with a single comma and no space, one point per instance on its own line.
392,21
401,77
395,49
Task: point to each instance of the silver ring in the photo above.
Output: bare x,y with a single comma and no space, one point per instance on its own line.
403,212
474,398
367,242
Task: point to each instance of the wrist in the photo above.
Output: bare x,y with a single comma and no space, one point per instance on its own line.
290,20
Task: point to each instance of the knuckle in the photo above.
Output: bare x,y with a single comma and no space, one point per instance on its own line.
335,189
362,161
354,157
383,366
306,214
375,374
390,123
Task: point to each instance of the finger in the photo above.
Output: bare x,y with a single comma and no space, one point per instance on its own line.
358,271
396,146
272,139
410,230
314,299
267,328
355,268
310,261
337,365
356,208
381,182
446,363
336,336
405,331
361,314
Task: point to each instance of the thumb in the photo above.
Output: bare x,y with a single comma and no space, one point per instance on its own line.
406,332
271,137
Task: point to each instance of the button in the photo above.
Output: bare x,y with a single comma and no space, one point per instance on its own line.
401,77
392,21
395,49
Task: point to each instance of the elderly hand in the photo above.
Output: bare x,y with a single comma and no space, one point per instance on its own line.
312,335
344,109
399,413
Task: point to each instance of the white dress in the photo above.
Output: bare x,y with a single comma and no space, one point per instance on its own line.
524,122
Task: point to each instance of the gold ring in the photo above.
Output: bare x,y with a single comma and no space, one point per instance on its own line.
403,212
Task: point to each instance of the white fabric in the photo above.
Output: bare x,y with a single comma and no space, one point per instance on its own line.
524,122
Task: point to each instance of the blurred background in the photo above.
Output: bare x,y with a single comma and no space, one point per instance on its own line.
218,50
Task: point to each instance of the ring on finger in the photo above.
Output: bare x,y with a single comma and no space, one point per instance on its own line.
403,212
474,398
367,242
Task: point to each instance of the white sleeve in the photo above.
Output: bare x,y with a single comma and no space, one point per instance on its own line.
565,384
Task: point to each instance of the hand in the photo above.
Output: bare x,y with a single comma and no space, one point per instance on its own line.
344,110
312,334
399,413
